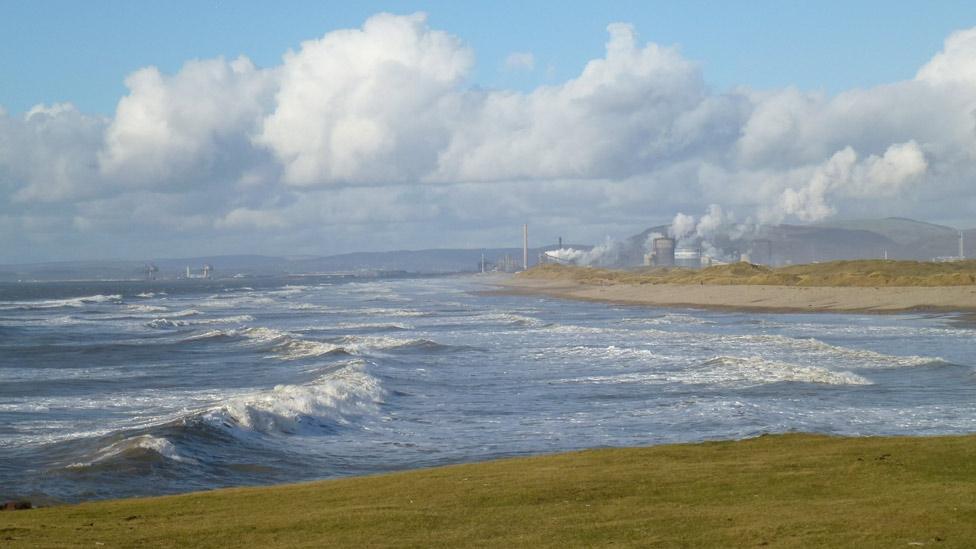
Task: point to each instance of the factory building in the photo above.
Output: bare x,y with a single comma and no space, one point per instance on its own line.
688,257
662,253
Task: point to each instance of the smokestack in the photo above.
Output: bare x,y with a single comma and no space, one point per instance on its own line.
560,242
525,246
962,250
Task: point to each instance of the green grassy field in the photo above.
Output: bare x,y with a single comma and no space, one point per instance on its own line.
775,491
867,273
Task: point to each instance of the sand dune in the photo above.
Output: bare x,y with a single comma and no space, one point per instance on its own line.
755,297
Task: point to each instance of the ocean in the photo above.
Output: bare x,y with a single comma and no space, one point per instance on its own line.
116,389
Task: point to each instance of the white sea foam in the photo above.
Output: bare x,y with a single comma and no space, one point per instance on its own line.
668,319
336,398
380,311
733,371
184,313
58,303
233,302
861,358
511,318
370,326
287,290
138,308
290,346
295,349
180,322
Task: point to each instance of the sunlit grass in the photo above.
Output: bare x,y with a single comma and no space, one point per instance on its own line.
867,273
785,491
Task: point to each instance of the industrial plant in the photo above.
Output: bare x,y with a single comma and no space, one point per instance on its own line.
771,245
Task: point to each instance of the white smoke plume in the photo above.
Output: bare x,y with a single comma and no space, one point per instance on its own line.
609,253
843,175
681,226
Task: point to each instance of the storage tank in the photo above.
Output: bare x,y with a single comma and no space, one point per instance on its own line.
664,252
688,257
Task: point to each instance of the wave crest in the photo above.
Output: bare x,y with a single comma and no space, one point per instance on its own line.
332,400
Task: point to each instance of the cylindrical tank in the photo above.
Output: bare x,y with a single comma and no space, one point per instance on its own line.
664,252
687,257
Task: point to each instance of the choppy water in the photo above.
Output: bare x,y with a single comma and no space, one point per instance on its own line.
120,389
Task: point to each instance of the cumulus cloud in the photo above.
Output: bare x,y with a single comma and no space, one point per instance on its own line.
171,130
47,155
370,105
375,132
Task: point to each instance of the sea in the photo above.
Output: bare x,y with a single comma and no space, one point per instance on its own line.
140,388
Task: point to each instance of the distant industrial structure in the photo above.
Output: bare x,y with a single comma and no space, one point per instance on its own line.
205,273
662,252
962,251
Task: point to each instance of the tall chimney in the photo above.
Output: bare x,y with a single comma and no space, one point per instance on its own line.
525,246
962,248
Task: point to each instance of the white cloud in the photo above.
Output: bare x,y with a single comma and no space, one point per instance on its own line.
47,155
368,105
520,61
173,129
956,63
368,130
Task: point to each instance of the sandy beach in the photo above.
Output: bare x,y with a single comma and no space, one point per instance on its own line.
755,297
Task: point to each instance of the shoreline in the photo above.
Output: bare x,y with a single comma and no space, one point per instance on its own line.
753,298
791,489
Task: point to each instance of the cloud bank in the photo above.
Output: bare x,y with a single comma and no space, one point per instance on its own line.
373,138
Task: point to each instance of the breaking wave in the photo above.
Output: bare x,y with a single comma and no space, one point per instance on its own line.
335,399
288,346
141,447
59,303
180,322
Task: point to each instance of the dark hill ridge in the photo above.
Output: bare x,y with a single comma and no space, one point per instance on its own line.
790,244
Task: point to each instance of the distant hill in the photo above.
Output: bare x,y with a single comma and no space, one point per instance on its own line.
898,229
900,238
413,261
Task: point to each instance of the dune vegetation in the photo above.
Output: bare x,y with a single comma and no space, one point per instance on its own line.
866,273
779,491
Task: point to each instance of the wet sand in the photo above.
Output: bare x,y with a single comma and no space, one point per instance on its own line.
748,297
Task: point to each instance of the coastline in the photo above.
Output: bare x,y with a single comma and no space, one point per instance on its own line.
779,490
758,298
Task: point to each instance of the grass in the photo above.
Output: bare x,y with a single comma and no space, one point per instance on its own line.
779,491
866,273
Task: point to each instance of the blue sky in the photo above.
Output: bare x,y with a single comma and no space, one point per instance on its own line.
136,129
81,51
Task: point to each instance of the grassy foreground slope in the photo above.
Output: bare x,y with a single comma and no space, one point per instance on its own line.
866,273
780,491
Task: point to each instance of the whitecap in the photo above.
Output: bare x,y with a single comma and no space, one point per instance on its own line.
337,398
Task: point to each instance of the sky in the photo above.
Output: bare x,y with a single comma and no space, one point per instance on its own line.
131,130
